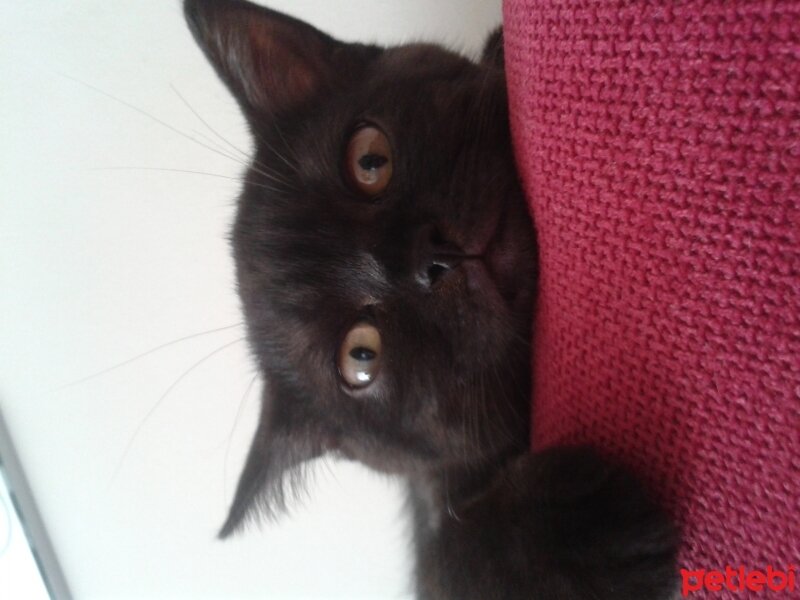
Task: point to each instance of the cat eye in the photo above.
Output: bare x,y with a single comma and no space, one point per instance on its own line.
369,160
359,358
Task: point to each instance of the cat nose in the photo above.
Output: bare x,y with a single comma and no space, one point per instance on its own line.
435,257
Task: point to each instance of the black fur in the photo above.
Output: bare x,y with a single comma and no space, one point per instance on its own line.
450,411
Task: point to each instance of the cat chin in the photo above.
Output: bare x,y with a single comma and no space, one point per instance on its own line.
424,462
482,282
386,462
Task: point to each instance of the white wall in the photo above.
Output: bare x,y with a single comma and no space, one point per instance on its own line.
99,265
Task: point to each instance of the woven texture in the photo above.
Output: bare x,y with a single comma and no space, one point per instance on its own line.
659,147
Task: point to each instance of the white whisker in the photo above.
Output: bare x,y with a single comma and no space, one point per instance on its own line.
155,406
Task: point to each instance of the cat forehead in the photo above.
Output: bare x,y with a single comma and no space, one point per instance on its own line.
423,59
420,66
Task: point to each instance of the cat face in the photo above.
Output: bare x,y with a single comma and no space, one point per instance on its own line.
384,254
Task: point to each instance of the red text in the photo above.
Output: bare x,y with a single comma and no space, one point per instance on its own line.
738,580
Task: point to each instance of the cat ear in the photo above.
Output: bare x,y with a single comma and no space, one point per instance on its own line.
273,470
493,49
269,61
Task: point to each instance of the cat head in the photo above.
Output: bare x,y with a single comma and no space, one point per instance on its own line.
385,257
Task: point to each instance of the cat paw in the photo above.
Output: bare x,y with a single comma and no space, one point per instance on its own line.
562,523
593,524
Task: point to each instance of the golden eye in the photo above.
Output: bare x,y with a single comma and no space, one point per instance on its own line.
369,160
359,358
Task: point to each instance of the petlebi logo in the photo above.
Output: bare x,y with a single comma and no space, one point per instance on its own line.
739,579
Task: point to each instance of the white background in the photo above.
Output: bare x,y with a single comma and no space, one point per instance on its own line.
101,261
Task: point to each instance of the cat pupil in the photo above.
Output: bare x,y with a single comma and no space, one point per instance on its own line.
362,354
368,162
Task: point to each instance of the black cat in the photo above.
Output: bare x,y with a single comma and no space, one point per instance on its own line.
386,265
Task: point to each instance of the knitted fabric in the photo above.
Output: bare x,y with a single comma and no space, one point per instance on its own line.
659,147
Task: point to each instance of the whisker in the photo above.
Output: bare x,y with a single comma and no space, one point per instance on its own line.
519,351
276,127
204,122
149,116
155,406
263,169
471,394
481,416
448,502
466,424
190,172
210,140
501,433
142,355
168,170
173,129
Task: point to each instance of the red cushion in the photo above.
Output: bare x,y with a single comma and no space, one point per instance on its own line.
659,147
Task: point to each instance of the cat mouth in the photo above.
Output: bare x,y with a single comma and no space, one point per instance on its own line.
479,266
500,268
496,263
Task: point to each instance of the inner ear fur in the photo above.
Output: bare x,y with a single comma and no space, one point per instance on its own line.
271,62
